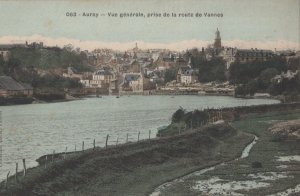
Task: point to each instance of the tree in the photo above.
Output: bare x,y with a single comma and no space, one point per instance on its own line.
199,117
246,89
178,115
264,79
251,87
240,90
213,70
2,66
241,73
170,75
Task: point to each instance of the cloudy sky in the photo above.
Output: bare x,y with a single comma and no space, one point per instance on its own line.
264,24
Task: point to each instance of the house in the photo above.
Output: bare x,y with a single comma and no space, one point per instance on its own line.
102,77
11,88
189,77
132,82
164,63
72,73
114,87
85,82
135,67
180,72
155,78
288,75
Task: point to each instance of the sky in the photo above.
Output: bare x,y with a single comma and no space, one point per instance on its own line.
264,24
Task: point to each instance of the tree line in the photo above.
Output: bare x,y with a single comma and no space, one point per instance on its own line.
25,65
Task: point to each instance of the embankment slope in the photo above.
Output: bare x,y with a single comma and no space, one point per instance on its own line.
133,168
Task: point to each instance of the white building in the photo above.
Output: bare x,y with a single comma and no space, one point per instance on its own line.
189,77
132,82
102,77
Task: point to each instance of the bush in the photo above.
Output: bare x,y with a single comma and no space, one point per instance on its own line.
178,115
195,119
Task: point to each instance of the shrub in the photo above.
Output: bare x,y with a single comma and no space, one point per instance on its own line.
178,115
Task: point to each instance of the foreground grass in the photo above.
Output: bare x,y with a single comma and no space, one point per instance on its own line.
266,152
132,169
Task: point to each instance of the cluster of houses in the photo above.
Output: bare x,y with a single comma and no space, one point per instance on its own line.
138,71
135,71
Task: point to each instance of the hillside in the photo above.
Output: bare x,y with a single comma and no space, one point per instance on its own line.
43,67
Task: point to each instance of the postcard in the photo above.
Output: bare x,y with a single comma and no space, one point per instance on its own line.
172,97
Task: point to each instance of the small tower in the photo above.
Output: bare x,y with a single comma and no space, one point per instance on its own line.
136,46
217,43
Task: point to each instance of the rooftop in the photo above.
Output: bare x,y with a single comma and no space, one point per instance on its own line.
9,83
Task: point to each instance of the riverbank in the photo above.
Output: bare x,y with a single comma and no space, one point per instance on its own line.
4,101
183,120
272,166
33,100
150,162
62,97
116,170
57,126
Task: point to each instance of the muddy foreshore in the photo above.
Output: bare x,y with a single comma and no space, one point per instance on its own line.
272,167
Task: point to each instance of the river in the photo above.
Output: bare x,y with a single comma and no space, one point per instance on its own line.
30,131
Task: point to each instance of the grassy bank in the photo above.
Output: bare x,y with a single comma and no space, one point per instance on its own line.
131,169
262,162
183,120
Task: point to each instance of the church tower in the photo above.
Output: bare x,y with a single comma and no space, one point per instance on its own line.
217,43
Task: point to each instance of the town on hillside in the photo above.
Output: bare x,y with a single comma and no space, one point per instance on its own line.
46,72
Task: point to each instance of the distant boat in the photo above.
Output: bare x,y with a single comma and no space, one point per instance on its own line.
172,97
117,97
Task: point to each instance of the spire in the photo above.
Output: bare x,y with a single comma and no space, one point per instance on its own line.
218,34
217,43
